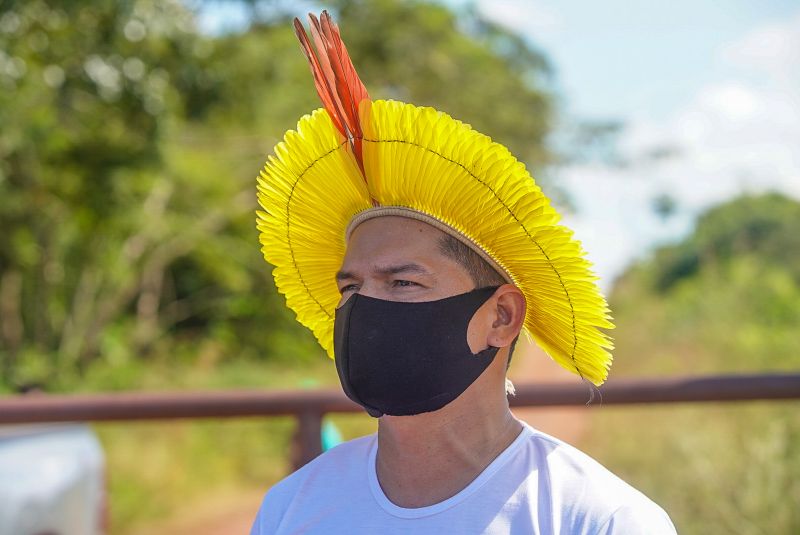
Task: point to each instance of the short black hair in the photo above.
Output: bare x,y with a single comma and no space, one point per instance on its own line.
479,270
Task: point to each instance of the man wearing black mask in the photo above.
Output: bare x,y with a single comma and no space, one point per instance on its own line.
417,250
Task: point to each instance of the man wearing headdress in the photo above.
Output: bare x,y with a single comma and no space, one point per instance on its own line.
417,250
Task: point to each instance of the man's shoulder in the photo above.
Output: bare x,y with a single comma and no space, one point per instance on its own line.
568,465
339,463
583,486
321,481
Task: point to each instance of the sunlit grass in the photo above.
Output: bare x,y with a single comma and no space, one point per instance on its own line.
716,468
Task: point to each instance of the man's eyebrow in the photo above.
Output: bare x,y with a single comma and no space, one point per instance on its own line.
402,268
387,270
342,275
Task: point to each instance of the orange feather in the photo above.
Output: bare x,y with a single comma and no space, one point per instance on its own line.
335,78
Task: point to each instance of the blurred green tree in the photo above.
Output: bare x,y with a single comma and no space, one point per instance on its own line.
86,96
129,142
726,298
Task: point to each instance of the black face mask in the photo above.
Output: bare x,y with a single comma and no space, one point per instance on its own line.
402,358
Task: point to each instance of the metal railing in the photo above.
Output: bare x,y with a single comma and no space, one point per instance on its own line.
309,406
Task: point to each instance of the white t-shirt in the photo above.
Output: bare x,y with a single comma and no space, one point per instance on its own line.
538,485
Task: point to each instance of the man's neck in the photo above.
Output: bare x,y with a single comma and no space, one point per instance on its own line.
427,458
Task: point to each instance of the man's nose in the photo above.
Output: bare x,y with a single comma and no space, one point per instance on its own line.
374,289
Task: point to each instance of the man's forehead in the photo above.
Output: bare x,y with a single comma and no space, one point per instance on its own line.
396,226
393,240
390,245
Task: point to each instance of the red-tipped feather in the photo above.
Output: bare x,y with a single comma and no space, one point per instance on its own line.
335,78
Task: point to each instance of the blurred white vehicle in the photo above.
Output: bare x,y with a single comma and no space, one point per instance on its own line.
52,480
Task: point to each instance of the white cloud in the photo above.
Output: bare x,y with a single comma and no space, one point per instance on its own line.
773,50
525,17
740,134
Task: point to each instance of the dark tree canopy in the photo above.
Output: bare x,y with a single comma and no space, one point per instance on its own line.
128,150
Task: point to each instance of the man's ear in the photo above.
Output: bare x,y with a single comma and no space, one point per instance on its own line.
508,309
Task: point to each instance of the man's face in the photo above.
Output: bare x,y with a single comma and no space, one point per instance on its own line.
398,259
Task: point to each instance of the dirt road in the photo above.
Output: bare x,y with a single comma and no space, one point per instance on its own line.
226,514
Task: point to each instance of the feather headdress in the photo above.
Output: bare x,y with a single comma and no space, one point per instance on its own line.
356,159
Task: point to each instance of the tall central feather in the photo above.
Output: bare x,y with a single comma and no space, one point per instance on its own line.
336,80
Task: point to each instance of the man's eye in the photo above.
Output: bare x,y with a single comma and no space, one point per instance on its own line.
348,288
403,283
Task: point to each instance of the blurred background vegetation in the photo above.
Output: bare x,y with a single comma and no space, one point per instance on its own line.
129,145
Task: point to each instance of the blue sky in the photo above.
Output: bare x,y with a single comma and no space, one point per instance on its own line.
718,80
603,50
613,56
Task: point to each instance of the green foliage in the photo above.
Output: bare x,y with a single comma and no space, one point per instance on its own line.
763,227
714,468
97,204
128,150
727,298
724,300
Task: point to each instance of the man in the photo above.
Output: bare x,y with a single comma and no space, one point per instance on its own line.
417,251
